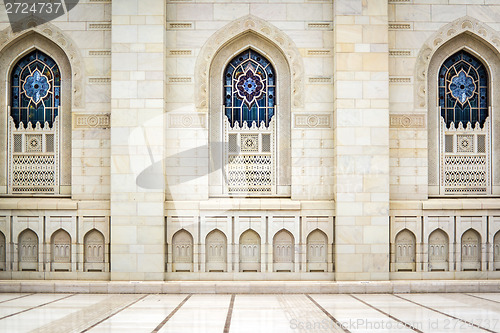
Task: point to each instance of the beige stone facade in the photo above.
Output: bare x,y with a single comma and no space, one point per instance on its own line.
357,155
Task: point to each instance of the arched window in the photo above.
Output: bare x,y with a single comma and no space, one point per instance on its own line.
35,90
465,126
471,251
35,95
94,251
250,89
250,137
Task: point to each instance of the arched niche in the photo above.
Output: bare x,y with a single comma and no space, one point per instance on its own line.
182,251
216,251
496,251
317,251
405,251
28,251
94,251
471,251
3,250
438,251
283,251
250,251
61,251
16,48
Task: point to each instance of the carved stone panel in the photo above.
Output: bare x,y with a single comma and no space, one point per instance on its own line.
182,251
2,252
216,251
61,247
317,249
471,251
250,251
496,251
28,251
283,251
405,251
94,251
438,251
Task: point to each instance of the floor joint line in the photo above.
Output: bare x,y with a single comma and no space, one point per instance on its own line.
111,315
171,314
446,314
18,297
36,307
328,314
229,314
486,299
387,314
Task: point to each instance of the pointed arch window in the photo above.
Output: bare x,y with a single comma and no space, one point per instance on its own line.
463,90
465,135
250,89
250,108
35,90
35,99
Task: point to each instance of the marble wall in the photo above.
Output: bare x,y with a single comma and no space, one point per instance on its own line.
357,143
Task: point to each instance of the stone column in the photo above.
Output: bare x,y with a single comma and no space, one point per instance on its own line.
362,140
137,134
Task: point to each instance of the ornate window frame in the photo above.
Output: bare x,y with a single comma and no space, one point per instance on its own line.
249,31
482,42
51,41
283,126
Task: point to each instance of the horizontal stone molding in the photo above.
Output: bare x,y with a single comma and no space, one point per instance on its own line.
187,120
180,79
399,79
309,120
100,80
99,26
180,53
320,79
320,26
407,120
91,120
399,53
399,1
400,26
180,25
99,53
319,52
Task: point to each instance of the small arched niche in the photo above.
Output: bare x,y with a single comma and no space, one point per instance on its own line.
216,251
405,248
250,251
438,251
94,251
317,250
182,251
471,251
283,251
3,247
496,251
61,251
28,251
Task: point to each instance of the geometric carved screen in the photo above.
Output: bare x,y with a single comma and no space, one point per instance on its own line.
465,129
249,125
33,126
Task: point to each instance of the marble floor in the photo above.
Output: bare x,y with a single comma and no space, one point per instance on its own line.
250,313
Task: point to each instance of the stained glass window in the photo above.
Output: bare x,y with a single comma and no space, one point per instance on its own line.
249,89
35,89
463,90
